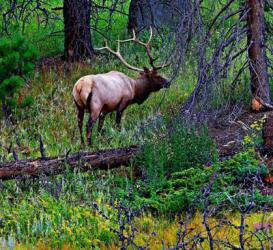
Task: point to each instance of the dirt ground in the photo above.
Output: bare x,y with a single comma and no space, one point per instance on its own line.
229,137
229,140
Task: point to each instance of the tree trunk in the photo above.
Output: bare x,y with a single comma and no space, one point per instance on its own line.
133,15
141,14
268,135
4,108
103,159
256,51
77,40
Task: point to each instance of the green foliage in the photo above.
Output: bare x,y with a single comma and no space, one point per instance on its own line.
191,148
177,149
172,164
17,58
183,188
178,163
27,101
241,166
56,210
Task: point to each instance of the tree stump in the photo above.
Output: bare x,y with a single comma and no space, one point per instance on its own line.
268,135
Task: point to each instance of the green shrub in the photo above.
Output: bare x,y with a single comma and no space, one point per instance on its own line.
242,166
172,165
178,150
17,58
191,148
182,189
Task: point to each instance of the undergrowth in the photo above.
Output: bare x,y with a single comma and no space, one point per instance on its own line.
53,116
178,162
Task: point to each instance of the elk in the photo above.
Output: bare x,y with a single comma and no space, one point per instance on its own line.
114,91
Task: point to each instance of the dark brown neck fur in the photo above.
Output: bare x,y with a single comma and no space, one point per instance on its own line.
142,89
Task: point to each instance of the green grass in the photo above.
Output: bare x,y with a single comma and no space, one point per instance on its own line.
53,114
55,211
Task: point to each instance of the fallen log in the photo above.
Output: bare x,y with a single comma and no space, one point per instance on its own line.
86,161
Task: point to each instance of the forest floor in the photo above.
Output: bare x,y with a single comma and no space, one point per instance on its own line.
229,139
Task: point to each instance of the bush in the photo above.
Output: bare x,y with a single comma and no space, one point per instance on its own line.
17,58
239,169
181,149
191,148
177,168
172,166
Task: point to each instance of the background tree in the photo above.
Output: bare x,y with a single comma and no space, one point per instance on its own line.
75,18
257,50
77,35
223,47
133,15
154,13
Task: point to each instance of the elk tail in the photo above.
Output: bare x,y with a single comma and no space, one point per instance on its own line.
88,102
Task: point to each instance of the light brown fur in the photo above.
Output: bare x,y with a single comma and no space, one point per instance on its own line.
112,91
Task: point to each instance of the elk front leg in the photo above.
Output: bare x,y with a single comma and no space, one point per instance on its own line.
80,121
118,117
120,110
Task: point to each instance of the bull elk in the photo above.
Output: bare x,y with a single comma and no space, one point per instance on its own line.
114,91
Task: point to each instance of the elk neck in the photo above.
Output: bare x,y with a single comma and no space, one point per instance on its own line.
143,89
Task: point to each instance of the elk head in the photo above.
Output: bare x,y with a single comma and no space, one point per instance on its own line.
156,81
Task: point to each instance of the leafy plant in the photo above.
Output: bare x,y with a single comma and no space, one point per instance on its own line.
176,150
17,58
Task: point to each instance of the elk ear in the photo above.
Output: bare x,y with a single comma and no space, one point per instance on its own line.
146,70
154,71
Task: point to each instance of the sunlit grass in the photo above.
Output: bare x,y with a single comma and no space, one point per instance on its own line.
154,233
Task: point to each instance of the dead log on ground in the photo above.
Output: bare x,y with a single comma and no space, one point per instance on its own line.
103,159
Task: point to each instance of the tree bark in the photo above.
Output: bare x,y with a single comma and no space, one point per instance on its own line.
256,51
4,108
103,159
268,135
141,14
133,15
77,40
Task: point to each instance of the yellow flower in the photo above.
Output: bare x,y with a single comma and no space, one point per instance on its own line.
247,139
69,231
87,213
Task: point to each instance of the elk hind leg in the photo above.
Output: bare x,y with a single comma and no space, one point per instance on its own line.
94,114
101,121
80,121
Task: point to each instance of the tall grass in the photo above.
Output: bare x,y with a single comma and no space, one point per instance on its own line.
53,114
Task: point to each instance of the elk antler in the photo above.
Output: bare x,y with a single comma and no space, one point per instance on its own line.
117,53
148,48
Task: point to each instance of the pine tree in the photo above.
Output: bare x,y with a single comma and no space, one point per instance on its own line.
17,61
